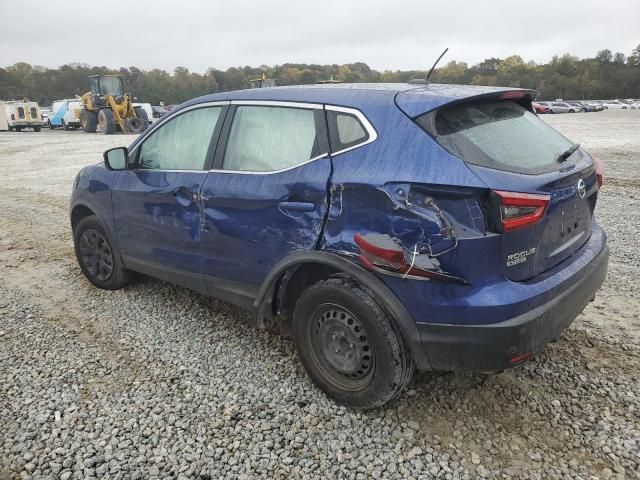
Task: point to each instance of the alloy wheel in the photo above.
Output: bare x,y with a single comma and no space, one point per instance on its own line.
96,255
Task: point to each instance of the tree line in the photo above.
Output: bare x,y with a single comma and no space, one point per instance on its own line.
606,75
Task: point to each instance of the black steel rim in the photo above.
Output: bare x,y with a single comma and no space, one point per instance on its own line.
341,347
96,255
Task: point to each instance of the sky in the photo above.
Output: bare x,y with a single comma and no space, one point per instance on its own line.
389,35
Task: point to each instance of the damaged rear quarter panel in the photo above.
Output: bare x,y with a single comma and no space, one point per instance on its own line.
369,192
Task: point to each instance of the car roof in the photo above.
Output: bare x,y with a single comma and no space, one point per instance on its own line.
415,98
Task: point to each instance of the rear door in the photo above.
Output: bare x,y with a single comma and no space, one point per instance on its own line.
267,196
515,152
157,208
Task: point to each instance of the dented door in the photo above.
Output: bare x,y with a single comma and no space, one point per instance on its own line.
267,198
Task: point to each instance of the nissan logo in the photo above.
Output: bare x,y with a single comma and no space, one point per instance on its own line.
582,188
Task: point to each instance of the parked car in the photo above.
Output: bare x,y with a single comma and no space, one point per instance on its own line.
385,227
615,104
562,107
23,114
44,115
540,107
66,114
592,106
158,111
579,106
147,108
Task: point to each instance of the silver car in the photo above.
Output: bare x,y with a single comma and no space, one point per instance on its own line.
562,107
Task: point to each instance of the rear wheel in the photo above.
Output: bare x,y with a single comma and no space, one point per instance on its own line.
107,121
64,125
18,129
37,129
348,344
88,121
96,255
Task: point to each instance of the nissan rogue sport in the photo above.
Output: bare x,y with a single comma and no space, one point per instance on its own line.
384,227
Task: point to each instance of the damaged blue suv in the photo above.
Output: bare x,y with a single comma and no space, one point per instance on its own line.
384,227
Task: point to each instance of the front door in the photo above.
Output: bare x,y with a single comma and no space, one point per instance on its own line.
157,208
267,196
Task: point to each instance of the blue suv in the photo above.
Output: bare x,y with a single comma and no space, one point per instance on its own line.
384,227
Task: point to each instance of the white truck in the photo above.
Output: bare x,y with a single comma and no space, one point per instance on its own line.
23,114
65,114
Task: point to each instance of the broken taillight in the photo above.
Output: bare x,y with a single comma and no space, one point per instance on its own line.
519,210
380,253
599,170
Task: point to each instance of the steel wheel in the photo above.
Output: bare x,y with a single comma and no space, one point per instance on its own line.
341,347
96,254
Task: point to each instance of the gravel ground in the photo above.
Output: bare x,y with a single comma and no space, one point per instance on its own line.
155,381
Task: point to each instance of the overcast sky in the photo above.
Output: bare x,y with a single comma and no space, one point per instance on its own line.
390,34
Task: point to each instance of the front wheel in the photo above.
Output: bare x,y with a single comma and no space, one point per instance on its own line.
88,121
97,257
350,347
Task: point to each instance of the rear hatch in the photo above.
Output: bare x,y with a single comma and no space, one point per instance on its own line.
543,188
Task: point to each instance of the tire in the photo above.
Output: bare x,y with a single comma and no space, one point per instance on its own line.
37,129
51,127
18,129
551,111
98,258
137,124
350,347
88,121
107,121
64,125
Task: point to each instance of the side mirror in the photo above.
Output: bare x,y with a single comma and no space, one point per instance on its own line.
116,158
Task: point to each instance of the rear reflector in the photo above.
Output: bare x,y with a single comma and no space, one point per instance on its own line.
519,210
599,171
519,358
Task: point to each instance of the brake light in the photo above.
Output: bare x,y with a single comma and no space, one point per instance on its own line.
513,94
380,253
599,171
519,210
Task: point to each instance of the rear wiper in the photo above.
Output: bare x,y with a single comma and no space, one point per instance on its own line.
568,152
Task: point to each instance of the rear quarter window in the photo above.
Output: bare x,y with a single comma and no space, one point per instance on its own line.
345,130
496,134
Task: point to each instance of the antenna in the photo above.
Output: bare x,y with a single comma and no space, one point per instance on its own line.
436,63
425,80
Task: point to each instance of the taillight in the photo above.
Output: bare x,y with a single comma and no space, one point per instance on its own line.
599,171
519,210
380,253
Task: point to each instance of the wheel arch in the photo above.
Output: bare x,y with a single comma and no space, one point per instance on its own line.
292,275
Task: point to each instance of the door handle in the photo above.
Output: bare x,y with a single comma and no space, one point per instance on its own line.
297,206
184,196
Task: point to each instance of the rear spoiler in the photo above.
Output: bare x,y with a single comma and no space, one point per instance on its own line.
418,101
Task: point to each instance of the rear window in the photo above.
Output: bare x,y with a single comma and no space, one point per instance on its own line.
496,134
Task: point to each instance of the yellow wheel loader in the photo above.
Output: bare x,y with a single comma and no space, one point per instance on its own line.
109,107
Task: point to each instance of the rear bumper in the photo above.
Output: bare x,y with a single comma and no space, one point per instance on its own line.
493,346
26,124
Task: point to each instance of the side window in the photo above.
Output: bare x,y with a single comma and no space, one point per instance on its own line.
182,143
345,130
266,139
20,112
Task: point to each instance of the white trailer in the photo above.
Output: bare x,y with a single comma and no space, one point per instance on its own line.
23,114
4,125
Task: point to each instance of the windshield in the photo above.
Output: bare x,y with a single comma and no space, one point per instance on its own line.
110,86
496,134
